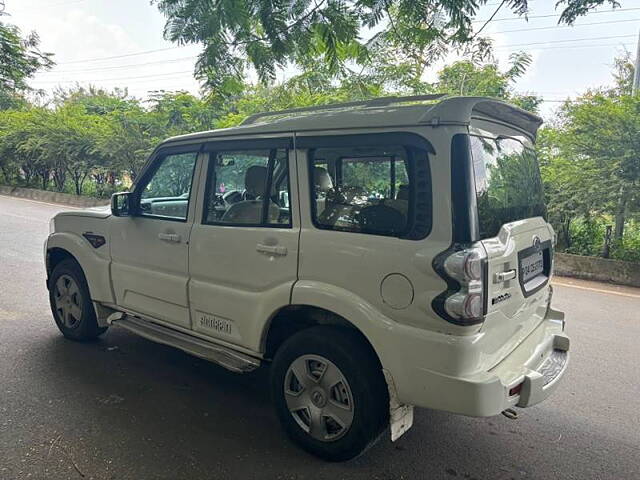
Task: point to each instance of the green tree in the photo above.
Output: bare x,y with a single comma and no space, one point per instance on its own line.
591,165
20,59
602,130
485,79
268,34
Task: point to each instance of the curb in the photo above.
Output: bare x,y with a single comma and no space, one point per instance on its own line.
598,269
52,197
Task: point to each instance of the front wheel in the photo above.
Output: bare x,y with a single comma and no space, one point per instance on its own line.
329,392
71,303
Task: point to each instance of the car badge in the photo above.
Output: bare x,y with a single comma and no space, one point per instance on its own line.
536,242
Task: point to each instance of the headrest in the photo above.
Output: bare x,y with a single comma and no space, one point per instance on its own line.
403,192
255,179
322,180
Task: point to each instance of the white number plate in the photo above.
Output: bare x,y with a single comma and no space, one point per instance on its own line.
532,266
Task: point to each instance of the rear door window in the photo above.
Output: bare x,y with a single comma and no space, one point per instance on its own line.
378,190
248,188
508,183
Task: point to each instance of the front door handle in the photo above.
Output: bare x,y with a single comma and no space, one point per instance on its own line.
272,249
169,237
504,276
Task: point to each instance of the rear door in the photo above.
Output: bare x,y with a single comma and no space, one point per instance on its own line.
514,233
370,228
243,257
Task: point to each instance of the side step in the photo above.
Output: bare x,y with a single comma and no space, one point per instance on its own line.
230,359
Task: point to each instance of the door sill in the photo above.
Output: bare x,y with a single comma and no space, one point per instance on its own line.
226,357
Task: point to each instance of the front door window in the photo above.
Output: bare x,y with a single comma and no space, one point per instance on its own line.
167,192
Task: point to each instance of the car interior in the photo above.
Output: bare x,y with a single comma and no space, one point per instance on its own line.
234,201
361,189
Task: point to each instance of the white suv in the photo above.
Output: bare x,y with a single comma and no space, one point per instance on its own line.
377,255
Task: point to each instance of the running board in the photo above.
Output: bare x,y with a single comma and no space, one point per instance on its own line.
230,359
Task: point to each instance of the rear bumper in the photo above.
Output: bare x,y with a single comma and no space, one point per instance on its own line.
537,385
534,369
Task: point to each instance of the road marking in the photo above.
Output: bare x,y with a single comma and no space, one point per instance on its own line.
42,203
599,290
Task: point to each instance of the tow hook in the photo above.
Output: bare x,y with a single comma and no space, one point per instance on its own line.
510,413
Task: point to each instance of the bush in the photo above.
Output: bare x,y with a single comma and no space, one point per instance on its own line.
587,237
588,234
629,248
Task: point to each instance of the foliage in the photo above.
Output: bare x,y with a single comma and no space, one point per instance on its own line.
268,35
591,166
89,138
20,59
92,134
588,235
485,79
598,143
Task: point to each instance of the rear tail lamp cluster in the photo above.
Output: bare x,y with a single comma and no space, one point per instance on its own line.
464,270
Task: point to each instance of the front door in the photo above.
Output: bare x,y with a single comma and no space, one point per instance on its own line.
150,249
243,255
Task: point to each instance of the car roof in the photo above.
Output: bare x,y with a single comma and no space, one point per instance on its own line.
381,112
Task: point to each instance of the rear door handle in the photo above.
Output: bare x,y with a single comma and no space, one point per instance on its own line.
271,249
504,276
169,237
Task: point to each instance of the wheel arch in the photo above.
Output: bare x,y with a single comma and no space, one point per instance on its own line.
55,256
315,303
294,318
95,266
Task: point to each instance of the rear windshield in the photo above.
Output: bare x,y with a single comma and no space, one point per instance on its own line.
508,184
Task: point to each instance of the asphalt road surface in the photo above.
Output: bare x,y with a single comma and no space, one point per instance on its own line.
126,408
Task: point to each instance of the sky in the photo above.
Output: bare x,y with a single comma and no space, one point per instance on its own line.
119,43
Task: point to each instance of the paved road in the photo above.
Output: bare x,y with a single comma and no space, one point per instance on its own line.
126,408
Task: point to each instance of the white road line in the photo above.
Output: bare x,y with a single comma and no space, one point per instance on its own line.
599,290
41,203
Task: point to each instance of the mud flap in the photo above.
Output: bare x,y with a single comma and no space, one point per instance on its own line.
400,416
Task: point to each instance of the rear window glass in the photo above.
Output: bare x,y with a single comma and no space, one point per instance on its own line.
508,183
371,189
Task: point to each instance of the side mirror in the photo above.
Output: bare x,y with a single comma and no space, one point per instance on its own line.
121,204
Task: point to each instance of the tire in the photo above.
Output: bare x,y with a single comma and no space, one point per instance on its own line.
71,303
313,411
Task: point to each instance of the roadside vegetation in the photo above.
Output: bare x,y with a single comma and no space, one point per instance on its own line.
90,141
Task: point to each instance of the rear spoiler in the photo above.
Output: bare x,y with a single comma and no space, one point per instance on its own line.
457,110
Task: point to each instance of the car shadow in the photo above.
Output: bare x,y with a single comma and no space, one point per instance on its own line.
161,413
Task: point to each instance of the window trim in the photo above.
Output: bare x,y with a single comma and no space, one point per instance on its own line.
147,174
464,219
273,145
410,142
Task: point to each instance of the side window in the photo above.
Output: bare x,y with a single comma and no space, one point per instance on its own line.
379,190
248,187
167,192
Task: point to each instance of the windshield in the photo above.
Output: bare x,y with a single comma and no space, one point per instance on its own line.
508,184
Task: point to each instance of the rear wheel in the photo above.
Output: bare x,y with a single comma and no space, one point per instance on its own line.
329,392
71,303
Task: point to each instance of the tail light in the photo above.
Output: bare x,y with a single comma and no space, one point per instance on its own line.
465,271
